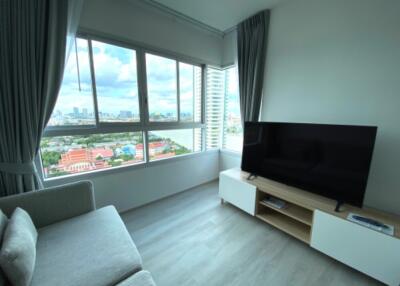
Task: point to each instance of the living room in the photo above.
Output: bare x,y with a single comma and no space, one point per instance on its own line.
128,154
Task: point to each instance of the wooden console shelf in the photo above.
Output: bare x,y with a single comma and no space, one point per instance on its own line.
295,212
292,219
287,224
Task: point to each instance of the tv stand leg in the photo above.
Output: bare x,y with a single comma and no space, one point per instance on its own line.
251,177
338,204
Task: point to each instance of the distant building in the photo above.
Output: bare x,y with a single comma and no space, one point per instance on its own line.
76,111
125,114
79,160
101,152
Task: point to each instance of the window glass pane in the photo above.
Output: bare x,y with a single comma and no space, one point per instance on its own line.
161,88
66,155
116,83
214,106
169,143
233,132
75,100
190,92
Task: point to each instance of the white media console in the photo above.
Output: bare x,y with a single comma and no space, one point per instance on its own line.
312,219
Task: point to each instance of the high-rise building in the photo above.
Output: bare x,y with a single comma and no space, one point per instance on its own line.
214,106
85,112
76,111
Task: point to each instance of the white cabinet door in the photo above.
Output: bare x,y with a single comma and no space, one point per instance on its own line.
371,252
236,191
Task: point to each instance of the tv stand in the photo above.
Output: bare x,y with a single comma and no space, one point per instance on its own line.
338,204
317,221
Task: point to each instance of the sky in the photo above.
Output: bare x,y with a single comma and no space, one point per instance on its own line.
116,81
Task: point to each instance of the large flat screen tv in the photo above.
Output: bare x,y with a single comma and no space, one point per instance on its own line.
330,160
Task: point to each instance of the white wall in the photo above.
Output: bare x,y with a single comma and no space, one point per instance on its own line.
133,20
129,188
229,160
339,62
229,48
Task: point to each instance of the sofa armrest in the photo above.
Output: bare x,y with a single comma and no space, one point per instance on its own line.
54,204
141,278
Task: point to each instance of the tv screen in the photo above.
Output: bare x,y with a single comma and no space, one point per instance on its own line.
330,160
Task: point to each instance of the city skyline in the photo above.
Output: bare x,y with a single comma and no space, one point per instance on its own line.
85,117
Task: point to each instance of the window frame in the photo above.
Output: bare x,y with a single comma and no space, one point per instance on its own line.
144,125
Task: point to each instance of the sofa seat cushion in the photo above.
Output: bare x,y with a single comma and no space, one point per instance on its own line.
90,249
142,278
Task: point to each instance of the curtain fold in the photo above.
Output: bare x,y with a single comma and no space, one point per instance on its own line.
252,48
33,42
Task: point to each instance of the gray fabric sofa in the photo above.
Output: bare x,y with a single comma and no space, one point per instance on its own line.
77,243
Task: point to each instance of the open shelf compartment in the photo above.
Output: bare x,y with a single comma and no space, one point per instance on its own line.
295,212
286,224
293,219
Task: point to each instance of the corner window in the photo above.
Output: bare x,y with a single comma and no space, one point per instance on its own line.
224,127
215,87
232,129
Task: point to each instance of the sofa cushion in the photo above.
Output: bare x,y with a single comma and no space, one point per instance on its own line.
90,249
142,278
18,251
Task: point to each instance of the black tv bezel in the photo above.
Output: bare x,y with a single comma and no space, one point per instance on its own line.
339,200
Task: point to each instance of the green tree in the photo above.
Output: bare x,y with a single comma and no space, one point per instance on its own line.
182,150
50,158
115,163
56,173
126,157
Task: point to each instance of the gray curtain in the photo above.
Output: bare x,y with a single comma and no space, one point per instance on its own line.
252,48
33,39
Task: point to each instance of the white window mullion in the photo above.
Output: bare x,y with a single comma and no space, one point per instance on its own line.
143,100
92,73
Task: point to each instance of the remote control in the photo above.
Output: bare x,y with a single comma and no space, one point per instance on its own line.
370,221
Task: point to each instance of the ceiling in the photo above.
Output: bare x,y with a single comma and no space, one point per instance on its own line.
218,14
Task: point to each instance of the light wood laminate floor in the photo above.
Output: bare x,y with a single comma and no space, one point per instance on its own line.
191,239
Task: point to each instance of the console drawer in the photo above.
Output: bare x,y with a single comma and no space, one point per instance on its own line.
236,191
373,253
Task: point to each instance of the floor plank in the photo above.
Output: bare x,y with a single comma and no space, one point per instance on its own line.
191,239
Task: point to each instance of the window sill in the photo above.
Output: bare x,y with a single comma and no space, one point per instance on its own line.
231,152
120,169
